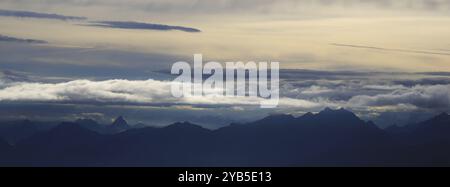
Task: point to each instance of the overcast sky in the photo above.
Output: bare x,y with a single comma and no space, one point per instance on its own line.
62,49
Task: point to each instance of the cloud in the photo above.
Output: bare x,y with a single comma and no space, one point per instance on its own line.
390,49
140,25
4,38
353,90
368,94
29,14
92,63
431,97
7,77
366,91
209,6
353,94
128,92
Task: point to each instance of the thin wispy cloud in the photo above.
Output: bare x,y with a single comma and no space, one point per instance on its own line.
390,49
142,26
29,14
4,38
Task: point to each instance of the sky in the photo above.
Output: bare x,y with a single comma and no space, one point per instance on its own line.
67,59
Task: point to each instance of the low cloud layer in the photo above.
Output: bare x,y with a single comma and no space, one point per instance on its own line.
296,94
370,95
38,15
142,26
430,97
131,92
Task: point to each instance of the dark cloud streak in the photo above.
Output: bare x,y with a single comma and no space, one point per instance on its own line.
29,14
20,40
139,25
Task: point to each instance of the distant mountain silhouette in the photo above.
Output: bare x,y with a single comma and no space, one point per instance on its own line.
433,126
14,131
120,124
436,129
328,138
91,125
5,150
440,122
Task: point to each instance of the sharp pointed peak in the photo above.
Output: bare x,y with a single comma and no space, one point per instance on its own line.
120,122
276,118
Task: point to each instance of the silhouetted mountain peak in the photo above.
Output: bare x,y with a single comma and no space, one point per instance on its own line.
185,126
120,122
276,119
182,124
441,119
328,110
308,114
434,129
340,116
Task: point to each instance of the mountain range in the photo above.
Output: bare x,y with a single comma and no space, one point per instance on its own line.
328,138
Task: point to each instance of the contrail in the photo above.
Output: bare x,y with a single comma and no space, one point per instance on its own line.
388,49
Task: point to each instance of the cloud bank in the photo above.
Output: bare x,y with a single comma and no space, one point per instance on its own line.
132,92
431,97
370,95
155,92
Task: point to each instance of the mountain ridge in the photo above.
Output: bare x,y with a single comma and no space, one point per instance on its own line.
328,138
